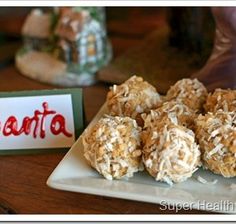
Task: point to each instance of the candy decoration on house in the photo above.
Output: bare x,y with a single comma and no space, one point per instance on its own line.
65,47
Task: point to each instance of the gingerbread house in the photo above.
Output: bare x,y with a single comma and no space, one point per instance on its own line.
81,38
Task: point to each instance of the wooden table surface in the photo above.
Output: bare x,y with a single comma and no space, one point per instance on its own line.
23,188
23,178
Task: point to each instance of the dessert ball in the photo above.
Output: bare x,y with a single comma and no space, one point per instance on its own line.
216,134
221,99
191,92
170,153
176,112
132,98
113,148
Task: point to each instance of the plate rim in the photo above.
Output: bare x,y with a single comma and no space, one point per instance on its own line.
60,186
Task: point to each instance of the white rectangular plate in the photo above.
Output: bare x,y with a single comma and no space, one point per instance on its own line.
74,174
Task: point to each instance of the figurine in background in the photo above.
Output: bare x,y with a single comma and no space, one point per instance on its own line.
64,47
81,39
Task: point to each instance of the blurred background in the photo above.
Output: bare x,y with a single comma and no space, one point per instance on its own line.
190,36
127,26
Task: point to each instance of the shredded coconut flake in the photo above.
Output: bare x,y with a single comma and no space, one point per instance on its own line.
233,186
107,147
204,181
132,97
172,155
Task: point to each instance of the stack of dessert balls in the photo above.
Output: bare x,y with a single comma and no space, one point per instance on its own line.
170,136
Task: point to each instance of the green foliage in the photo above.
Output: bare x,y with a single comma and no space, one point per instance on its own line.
52,38
95,12
22,51
48,48
54,19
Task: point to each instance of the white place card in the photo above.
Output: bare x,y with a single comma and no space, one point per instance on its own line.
37,122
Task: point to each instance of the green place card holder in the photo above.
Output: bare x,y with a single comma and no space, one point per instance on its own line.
77,109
